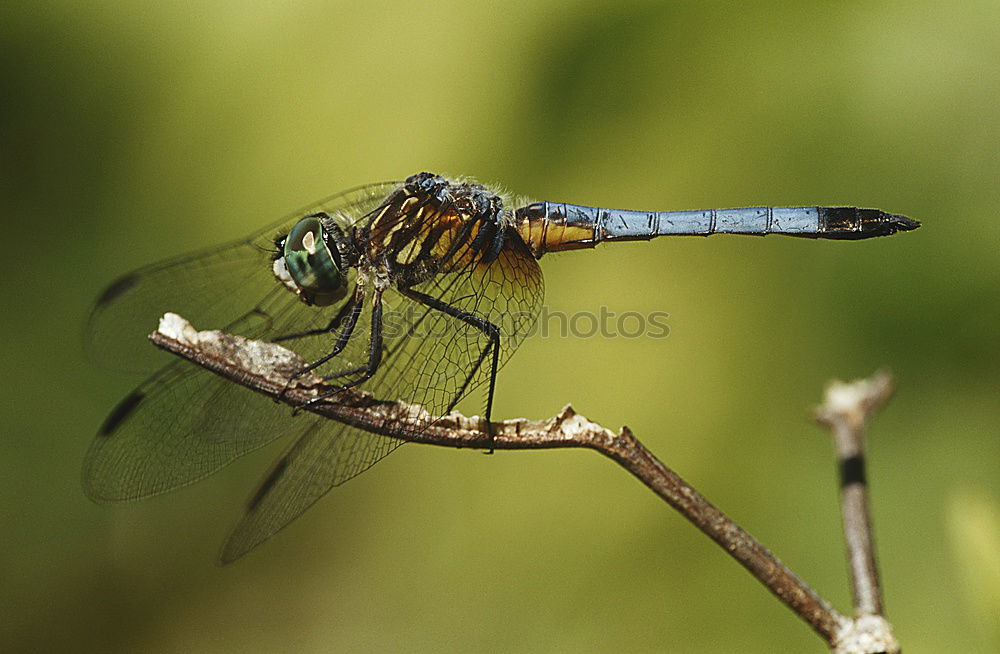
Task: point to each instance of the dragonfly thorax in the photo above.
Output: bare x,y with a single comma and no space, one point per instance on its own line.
313,260
432,225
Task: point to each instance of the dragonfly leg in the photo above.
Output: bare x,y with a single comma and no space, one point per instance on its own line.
490,330
349,320
345,373
344,338
374,355
333,325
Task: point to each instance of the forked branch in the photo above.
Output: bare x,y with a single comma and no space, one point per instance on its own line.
267,367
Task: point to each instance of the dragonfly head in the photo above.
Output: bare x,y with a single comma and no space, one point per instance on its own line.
311,261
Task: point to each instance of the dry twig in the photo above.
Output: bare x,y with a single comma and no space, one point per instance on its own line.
266,368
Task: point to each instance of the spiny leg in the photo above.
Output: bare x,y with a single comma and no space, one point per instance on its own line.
490,330
351,321
333,325
374,354
349,318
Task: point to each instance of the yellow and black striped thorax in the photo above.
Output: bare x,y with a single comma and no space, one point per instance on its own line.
430,225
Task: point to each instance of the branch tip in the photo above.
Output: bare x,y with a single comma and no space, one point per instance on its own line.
854,402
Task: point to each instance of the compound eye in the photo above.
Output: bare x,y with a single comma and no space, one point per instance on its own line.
311,264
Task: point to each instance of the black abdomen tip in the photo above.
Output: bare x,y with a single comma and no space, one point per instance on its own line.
902,223
852,223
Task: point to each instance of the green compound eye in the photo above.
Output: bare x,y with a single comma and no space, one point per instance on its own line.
311,264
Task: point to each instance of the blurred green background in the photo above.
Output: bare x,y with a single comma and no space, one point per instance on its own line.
135,131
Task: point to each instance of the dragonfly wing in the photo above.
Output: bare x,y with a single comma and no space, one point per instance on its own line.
184,423
150,444
212,288
428,359
326,455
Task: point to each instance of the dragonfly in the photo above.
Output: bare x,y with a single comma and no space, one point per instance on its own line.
416,291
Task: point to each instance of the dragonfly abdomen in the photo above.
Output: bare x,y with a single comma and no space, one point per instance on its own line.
550,227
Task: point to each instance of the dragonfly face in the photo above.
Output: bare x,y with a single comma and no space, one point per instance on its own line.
416,291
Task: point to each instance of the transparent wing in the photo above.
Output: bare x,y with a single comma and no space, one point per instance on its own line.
212,288
431,359
184,423
326,455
